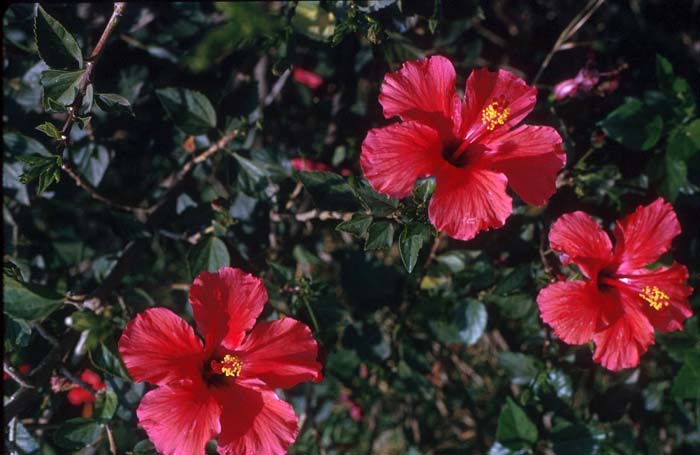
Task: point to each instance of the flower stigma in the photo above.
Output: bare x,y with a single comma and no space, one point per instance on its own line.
655,297
496,113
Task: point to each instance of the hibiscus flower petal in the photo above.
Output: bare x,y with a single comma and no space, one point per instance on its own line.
582,241
422,90
159,347
645,235
468,200
483,89
663,293
572,309
281,353
226,304
395,156
531,157
180,418
256,422
622,343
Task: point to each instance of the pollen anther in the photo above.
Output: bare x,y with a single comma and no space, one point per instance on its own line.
656,298
495,114
230,366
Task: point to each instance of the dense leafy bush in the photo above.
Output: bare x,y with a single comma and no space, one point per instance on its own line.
147,143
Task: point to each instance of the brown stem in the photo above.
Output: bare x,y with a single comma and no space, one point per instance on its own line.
86,78
92,191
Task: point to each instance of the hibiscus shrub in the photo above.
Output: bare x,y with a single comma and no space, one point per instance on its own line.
373,227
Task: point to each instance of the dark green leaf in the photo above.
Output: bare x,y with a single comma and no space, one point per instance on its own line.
357,225
105,360
664,74
18,144
515,280
60,87
686,384
111,102
634,125
521,368
471,320
24,440
92,161
56,45
515,429
106,405
675,176
50,130
410,243
29,302
209,255
577,439
380,236
191,111
330,191
144,447
378,204
75,434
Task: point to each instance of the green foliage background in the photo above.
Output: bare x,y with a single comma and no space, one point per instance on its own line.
438,342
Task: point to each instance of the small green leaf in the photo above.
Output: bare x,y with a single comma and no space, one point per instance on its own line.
105,360
60,87
191,111
56,46
357,225
423,191
664,74
380,236
675,176
410,243
330,191
74,434
471,321
686,384
515,429
27,301
46,169
209,255
50,130
634,125
106,405
111,102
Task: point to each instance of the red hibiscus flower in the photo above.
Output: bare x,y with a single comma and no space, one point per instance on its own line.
621,301
78,395
471,147
222,383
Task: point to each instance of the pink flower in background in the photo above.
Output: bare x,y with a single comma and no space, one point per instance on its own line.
353,408
308,78
77,395
305,164
585,80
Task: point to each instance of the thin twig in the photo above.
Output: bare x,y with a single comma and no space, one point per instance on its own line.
569,31
7,368
110,439
92,191
86,78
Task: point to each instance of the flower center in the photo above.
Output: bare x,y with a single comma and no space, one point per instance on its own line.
496,113
656,298
229,366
